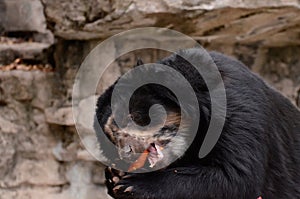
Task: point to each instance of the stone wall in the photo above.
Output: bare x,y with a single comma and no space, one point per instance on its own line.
41,153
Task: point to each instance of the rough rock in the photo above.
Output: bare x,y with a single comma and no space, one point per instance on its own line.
41,172
27,50
37,193
24,18
61,116
7,153
98,176
86,112
222,21
8,127
23,15
85,155
80,177
65,154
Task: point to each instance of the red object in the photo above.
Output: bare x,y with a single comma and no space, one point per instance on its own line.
140,162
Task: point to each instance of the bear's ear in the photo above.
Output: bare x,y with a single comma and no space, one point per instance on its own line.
139,62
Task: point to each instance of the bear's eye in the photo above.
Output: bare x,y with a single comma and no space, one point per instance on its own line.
140,119
136,116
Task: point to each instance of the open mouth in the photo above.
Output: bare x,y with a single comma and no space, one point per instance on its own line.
153,153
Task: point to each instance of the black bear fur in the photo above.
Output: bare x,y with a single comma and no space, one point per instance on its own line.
258,153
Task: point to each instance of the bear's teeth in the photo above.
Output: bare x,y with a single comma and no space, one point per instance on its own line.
155,155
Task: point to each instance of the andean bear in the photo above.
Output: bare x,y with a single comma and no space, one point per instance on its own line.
257,154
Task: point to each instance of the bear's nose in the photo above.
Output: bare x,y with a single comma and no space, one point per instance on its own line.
125,151
128,154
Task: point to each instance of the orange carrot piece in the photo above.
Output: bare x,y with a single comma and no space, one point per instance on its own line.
140,162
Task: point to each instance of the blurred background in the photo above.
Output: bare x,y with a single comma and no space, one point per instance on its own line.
43,43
